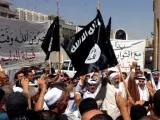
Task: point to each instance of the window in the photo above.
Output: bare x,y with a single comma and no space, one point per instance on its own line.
120,34
71,66
65,66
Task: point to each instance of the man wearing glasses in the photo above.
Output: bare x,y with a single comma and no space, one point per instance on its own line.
143,90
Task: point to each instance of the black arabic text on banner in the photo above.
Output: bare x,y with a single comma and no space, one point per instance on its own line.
20,43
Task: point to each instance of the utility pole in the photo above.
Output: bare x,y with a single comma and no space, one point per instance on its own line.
156,57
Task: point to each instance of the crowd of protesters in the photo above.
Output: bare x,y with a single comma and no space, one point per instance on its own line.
103,96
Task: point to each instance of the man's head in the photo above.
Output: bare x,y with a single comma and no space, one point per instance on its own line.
60,85
82,77
8,90
149,117
56,100
101,117
49,115
47,69
3,75
74,82
87,105
139,74
92,85
29,75
88,115
156,75
19,75
141,81
137,112
115,79
3,78
95,76
138,68
124,75
16,104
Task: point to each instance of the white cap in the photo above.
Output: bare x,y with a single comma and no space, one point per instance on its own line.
91,81
52,96
113,75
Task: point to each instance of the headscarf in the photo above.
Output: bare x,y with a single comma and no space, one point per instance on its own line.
153,82
113,75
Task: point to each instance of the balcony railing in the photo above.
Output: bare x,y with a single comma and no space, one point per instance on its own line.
8,12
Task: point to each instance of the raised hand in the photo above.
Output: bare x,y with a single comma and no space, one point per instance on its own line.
41,83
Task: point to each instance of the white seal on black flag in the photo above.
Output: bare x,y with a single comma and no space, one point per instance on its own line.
94,55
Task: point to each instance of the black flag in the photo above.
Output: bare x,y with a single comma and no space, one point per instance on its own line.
108,28
88,49
113,60
51,41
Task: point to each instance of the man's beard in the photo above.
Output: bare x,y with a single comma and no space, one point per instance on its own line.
142,87
116,85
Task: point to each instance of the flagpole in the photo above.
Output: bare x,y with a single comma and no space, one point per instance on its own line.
58,8
50,65
59,53
98,4
98,7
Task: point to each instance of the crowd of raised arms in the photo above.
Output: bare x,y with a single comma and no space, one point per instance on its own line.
106,95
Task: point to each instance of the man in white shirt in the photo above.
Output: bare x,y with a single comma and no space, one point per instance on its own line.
109,103
155,79
91,89
143,90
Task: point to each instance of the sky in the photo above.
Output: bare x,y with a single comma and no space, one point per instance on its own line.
134,16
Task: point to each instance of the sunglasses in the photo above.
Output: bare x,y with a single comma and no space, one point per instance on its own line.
141,81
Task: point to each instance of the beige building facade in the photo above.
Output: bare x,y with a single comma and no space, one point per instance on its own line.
5,10
28,15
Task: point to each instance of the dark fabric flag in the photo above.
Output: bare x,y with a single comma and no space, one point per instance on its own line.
109,49
51,41
88,49
108,28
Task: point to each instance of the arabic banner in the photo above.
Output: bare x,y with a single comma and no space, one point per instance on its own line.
20,43
127,50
